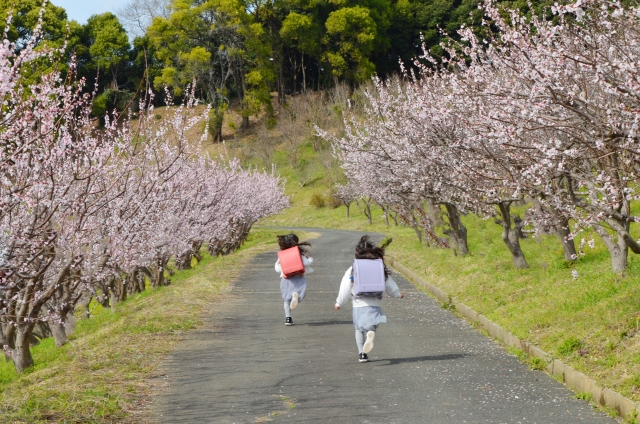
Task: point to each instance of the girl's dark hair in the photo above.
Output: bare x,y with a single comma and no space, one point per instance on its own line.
365,249
291,240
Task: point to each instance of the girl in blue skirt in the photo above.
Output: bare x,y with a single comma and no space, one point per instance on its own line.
293,289
366,309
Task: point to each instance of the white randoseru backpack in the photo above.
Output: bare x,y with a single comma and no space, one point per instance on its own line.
368,277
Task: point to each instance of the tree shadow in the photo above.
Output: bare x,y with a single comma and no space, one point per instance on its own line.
321,323
445,357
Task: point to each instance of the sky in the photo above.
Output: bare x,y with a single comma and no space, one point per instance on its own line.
81,10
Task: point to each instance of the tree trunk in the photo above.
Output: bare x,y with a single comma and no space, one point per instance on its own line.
215,248
563,233
618,250
41,330
59,333
159,279
281,96
294,65
21,354
518,226
510,235
84,302
559,227
395,218
183,261
619,258
70,323
243,100
458,231
141,281
418,231
304,76
156,272
4,341
385,210
347,206
118,290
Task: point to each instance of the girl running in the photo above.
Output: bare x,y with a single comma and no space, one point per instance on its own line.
367,314
294,288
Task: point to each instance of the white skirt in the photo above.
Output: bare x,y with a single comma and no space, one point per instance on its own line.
288,286
367,318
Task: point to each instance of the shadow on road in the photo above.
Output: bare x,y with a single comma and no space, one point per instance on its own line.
320,323
446,357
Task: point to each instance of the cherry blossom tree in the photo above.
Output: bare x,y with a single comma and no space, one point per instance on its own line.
87,211
544,112
571,105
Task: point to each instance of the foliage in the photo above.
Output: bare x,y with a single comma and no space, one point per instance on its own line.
217,44
111,100
351,31
536,363
317,201
588,396
25,16
109,44
568,346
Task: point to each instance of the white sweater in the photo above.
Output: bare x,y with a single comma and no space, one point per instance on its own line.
346,292
305,261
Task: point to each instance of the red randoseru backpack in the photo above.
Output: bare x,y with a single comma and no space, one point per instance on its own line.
291,262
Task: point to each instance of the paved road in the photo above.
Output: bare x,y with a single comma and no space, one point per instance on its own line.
428,366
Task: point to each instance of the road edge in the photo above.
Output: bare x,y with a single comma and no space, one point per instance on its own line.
575,380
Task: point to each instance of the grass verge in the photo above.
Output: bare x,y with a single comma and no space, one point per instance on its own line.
103,373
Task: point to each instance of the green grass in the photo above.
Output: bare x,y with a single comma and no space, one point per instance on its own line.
103,373
542,304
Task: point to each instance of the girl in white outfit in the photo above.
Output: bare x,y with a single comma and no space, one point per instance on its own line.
367,313
293,289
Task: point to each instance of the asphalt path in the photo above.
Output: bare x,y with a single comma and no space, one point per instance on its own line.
427,366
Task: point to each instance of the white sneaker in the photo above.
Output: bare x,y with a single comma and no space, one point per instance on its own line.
368,345
294,301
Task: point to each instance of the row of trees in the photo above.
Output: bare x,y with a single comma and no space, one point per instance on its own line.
545,112
243,49
87,213
240,50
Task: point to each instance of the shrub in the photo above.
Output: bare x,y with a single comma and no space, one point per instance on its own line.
112,99
270,123
318,201
569,346
334,201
